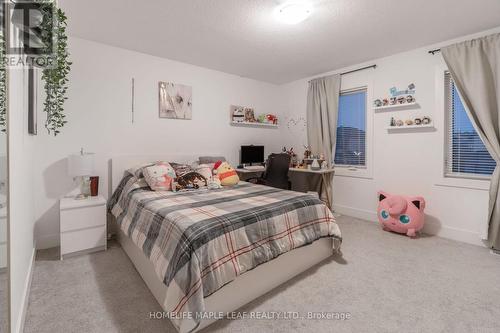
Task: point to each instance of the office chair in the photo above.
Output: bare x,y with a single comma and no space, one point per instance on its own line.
276,174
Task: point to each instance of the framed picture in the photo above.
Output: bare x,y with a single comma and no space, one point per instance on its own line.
175,100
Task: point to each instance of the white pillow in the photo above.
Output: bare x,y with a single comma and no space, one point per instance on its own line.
204,170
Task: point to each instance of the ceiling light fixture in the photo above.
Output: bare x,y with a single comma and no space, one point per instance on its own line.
293,12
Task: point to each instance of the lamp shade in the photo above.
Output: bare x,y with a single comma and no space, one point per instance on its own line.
81,164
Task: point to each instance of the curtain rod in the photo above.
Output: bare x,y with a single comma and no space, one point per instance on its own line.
354,70
433,52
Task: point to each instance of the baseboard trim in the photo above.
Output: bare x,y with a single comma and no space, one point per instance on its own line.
47,241
363,214
26,295
430,228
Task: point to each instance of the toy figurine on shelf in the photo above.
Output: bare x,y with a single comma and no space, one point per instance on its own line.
393,121
294,161
272,119
307,152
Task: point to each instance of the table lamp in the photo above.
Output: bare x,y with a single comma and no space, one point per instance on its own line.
81,166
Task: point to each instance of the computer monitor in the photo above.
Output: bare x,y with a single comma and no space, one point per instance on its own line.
252,154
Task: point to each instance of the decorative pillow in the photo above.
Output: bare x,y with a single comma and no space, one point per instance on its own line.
181,169
159,176
190,181
204,170
137,170
227,175
211,159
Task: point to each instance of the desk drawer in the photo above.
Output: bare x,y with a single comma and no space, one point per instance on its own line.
74,241
81,218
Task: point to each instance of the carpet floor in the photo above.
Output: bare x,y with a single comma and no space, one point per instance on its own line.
384,282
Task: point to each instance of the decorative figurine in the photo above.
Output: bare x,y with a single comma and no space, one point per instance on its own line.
426,120
385,102
271,118
410,99
399,123
393,101
418,121
249,115
377,103
401,100
307,152
409,122
393,121
238,115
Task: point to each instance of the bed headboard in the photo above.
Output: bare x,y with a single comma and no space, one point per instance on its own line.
119,164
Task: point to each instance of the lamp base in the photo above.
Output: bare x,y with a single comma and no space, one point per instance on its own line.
80,196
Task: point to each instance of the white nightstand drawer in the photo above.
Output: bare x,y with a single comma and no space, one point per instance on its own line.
74,241
81,218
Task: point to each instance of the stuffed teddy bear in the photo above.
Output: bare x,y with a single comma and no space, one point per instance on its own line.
401,214
226,174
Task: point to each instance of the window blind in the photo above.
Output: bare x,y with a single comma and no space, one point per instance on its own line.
466,154
351,129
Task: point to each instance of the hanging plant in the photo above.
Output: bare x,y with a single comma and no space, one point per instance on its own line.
55,75
3,85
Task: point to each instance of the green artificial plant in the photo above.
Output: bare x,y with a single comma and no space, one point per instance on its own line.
55,75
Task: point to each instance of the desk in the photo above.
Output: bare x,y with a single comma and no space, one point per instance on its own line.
324,178
323,172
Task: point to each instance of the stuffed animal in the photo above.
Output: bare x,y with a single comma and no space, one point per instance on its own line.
227,175
401,214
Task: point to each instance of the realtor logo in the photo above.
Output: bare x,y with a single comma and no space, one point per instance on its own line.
30,39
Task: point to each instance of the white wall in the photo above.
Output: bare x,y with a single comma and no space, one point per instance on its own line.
99,119
408,162
21,196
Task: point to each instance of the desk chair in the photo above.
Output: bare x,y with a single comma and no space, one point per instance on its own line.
276,174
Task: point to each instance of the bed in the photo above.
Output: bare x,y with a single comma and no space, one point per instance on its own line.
206,253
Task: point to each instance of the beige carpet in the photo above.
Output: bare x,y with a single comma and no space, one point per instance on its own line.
386,282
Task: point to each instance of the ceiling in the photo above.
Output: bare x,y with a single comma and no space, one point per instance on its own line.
243,37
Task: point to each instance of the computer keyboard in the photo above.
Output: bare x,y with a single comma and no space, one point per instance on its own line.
254,167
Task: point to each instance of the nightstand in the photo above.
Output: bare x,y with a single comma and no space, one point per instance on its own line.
82,225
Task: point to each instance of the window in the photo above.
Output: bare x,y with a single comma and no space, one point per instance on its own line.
351,129
466,154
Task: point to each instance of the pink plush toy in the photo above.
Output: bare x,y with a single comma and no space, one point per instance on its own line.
401,214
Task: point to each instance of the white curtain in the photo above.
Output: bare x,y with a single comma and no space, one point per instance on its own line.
475,67
322,115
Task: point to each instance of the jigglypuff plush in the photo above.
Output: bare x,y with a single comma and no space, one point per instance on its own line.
226,173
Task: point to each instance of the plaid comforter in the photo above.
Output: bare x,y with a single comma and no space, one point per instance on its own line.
199,241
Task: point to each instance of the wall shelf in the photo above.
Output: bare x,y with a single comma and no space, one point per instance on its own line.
248,124
396,106
409,127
